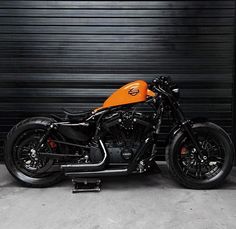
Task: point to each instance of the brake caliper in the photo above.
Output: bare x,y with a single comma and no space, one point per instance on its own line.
184,151
51,143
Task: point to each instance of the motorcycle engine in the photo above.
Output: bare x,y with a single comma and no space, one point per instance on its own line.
124,132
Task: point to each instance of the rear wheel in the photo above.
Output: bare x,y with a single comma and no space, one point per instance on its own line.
21,159
207,171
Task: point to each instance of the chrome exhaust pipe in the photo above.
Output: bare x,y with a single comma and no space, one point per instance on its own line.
103,173
89,167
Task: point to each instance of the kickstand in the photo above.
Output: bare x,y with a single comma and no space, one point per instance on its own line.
86,185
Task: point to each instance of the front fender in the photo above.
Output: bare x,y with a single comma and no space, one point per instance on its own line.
177,131
177,128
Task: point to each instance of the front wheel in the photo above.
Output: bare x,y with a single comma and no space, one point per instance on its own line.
206,171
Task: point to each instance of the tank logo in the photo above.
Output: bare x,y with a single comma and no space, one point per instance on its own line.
133,91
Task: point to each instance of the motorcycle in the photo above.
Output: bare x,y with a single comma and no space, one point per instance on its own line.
116,139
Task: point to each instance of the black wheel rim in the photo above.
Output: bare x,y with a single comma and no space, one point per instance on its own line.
207,167
35,167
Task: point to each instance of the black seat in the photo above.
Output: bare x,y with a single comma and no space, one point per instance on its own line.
72,113
76,115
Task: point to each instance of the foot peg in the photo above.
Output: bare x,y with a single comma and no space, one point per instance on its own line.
86,185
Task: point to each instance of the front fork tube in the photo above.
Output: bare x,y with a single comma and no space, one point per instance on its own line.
188,128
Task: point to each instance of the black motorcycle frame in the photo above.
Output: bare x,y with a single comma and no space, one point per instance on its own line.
166,98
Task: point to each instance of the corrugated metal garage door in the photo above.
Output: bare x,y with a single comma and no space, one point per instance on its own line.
73,54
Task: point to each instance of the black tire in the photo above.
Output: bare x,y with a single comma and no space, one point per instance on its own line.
180,175
15,133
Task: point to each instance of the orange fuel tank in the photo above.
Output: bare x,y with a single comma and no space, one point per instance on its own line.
133,92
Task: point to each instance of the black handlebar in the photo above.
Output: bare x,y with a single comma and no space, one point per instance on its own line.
161,81
164,85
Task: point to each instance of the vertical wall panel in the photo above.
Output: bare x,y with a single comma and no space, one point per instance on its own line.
73,54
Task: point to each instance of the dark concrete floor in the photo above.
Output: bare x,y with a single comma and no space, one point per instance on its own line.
135,202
